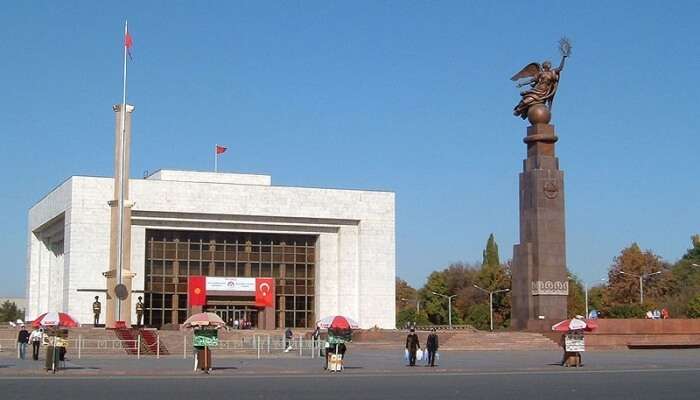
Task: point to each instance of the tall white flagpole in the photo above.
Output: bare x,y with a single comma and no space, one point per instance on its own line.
122,161
216,158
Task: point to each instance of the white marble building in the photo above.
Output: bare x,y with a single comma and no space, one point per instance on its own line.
68,236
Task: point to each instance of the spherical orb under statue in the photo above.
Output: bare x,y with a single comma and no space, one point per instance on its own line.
539,114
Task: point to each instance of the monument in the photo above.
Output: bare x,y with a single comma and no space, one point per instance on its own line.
539,274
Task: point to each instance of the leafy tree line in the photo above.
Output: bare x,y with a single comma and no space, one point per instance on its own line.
676,288
10,312
471,305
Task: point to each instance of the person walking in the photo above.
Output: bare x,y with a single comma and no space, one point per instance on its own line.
22,341
288,336
412,345
35,338
432,346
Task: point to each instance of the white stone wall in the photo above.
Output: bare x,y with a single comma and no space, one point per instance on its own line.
356,259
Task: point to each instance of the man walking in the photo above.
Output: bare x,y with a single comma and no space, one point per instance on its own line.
96,310
432,346
35,338
412,345
22,340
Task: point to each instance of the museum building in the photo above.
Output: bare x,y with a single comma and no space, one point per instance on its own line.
315,252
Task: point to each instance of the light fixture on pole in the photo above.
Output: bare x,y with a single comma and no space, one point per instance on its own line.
449,305
585,290
641,282
491,293
417,304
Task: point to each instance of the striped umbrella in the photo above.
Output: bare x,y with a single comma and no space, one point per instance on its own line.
55,319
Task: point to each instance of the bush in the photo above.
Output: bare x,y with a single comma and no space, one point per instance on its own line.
627,311
478,316
694,307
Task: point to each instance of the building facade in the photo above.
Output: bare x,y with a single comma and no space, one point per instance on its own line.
328,251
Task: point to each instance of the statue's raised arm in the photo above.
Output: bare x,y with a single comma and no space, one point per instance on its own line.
544,81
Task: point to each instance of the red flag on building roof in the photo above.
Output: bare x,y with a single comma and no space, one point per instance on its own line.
220,149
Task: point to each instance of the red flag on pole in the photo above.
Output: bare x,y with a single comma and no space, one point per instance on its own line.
220,149
128,43
197,290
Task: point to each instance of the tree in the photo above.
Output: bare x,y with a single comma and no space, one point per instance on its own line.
406,295
10,312
491,252
694,307
687,280
576,302
624,288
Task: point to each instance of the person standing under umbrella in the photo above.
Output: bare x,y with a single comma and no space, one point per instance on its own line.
22,340
432,346
412,345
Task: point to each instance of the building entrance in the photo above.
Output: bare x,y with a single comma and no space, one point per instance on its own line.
231,313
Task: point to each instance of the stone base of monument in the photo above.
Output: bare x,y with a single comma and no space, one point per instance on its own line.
617,334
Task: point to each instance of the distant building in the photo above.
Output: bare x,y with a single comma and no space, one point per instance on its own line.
329,251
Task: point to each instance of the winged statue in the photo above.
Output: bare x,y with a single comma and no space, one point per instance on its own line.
543,81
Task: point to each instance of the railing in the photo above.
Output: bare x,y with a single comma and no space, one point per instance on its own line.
260,346
255,345
443,327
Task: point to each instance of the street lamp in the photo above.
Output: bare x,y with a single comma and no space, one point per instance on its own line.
641,282
491,293
694,265
417,304
449,305
585,290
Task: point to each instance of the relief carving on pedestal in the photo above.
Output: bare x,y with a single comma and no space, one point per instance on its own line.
551,190
557,288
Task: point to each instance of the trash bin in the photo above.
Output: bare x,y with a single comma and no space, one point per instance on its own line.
52,358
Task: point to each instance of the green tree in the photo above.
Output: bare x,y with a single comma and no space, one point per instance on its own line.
694,307
687,280
10,312
478,316
576,302
491,252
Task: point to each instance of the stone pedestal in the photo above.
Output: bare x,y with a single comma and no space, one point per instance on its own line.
540,281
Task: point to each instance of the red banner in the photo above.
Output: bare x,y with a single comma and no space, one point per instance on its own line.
197,290
264,292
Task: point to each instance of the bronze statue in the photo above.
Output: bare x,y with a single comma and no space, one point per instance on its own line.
543,81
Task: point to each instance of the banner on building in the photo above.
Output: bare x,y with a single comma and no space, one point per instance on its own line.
264,292
221,284
197,290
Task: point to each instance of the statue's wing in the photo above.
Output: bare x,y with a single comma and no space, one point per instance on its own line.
529,70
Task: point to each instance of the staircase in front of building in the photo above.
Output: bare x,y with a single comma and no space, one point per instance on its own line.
149,341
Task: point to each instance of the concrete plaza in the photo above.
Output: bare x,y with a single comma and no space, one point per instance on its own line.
370,374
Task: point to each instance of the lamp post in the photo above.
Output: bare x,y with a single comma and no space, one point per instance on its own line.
585,290
491,293
449,305
641,282
417,304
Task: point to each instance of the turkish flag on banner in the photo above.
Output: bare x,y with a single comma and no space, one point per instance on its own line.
220,149
197,290
264,292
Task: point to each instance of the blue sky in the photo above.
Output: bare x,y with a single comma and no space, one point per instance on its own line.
412,97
